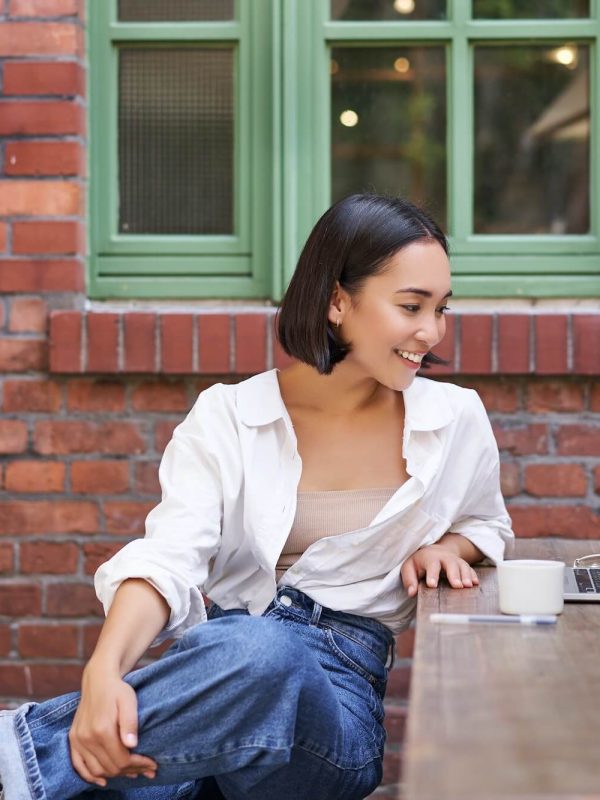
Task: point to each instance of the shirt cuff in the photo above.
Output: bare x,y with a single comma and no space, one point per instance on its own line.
186,603
494,542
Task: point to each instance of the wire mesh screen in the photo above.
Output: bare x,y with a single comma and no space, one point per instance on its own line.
175,10
176,140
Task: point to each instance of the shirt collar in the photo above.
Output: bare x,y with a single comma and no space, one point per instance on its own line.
259,399
426,406
426,403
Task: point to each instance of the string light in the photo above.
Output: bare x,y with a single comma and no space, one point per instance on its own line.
349,118
404,6
565,56
402,64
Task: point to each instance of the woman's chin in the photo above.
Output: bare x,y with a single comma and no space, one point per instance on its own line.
398,383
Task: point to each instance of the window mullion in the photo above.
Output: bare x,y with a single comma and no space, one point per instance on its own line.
595,120
594,138
305,124
103,148
277,185
460,127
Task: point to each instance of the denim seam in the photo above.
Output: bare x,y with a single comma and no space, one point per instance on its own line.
56,713
34,781
206,755
339,764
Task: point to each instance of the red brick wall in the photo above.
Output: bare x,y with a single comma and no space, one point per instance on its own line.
89,400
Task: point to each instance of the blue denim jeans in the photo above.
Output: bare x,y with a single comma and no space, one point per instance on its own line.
287,705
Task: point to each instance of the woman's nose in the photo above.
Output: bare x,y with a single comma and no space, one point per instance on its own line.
432,330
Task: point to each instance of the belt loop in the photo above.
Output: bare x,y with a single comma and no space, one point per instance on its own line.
316,614
392,654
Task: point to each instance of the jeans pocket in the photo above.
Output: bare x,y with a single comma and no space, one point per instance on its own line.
357,656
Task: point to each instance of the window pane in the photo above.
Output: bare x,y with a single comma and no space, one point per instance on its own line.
176,132
389,123
530,9
532,139
174,10
388,9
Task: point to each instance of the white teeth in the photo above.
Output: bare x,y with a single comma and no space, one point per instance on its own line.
410,356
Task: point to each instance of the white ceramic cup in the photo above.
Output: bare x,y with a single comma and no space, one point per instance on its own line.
531,586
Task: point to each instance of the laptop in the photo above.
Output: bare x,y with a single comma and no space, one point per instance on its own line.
582,584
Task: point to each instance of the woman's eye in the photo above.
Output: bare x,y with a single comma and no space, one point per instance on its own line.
415,308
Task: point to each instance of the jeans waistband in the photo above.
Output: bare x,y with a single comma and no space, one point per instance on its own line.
370,632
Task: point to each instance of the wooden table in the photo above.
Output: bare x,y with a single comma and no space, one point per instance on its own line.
505,712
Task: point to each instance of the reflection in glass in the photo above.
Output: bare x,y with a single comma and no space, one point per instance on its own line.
176,131
532,139
388,123
397,10
530,9
174,10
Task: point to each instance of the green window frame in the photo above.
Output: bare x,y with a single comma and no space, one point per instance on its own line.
170,266
283,155
482,265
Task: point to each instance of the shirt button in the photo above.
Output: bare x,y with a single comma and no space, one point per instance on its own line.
285,600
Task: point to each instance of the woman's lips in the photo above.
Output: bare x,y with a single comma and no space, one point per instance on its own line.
407,362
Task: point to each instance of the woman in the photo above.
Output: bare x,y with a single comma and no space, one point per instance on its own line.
307,504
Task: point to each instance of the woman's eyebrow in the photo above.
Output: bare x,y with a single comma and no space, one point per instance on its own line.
424,292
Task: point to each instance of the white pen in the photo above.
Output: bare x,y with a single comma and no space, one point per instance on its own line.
516,619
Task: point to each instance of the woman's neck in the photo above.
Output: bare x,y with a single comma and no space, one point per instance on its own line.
344,392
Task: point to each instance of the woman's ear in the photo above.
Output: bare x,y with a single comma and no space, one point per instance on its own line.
337,305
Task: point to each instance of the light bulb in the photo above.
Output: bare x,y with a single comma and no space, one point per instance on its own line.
349,118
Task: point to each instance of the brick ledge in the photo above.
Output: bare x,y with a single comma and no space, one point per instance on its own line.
241,343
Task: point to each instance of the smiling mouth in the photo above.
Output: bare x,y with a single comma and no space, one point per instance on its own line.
416,358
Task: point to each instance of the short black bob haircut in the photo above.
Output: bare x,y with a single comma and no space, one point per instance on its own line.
351,242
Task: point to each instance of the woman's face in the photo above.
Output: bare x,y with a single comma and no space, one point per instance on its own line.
399,311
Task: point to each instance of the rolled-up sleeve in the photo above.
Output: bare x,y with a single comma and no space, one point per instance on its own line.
486,522
483,518
183,532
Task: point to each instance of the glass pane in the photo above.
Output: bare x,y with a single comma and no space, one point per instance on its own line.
532,139
388,123
530,9
174,10
176,131
387,9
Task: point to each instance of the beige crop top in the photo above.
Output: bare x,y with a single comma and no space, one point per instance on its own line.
320,514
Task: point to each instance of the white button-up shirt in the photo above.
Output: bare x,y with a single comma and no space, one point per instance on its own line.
229,479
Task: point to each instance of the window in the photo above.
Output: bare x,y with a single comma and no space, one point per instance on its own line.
181,155
220,133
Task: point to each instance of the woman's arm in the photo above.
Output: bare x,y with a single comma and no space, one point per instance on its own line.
105,725
136,617
462,547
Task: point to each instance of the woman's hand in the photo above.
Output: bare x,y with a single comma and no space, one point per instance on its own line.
105,728
428,562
